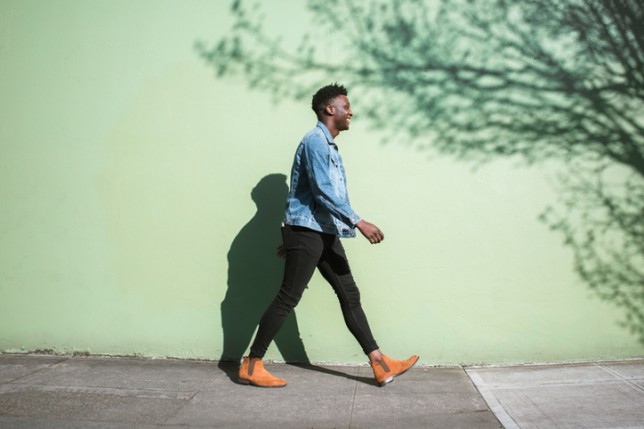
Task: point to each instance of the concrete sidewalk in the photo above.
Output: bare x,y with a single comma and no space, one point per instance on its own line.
95,392
592,395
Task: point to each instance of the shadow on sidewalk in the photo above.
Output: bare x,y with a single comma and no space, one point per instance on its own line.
231,369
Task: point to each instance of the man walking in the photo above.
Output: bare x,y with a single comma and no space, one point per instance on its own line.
318,214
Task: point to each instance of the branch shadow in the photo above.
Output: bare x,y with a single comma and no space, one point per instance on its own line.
534,81
604,228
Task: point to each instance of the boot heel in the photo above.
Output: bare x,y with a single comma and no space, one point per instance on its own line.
243,381
386,381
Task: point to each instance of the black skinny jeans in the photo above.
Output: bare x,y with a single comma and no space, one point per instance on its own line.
305,250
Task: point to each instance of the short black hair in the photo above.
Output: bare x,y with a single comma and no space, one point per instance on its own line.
326,94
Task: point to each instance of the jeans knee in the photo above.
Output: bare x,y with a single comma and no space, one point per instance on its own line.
286,300
350,293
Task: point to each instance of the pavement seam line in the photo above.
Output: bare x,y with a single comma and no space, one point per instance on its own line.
621,377
491,400
353,399
188,402
97,390
182,406
37,370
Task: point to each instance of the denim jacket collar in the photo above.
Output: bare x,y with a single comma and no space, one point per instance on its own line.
327,134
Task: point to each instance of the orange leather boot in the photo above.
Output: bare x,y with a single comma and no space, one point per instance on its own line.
386,369
253,372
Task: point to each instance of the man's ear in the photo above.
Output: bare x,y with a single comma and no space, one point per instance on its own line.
329,110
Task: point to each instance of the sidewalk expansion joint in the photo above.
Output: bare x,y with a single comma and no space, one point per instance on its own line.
622,378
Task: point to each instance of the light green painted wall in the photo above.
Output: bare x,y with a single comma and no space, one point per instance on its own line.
126,171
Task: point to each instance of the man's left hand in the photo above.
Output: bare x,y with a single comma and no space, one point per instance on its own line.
370,231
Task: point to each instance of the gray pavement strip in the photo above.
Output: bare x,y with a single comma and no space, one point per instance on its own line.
589,395
96,390
128,392
128,373
33,423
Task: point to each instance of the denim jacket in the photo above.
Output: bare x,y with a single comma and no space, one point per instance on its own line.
318,197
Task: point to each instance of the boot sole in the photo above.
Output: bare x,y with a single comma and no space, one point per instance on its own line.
390,379
248,382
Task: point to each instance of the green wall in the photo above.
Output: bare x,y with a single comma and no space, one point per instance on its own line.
126,173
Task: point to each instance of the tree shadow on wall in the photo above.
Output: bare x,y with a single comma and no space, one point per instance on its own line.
534,80
254,277
603,224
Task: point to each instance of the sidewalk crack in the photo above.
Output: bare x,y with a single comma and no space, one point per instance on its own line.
353,399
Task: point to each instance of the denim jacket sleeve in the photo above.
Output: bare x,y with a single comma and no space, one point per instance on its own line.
327,178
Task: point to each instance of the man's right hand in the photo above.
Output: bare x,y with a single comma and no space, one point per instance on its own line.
370,231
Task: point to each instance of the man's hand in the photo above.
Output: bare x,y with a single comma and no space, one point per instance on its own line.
370,231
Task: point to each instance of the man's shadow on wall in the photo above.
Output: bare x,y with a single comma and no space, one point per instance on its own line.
254,278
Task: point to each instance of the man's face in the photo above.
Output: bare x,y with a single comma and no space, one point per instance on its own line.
341,110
